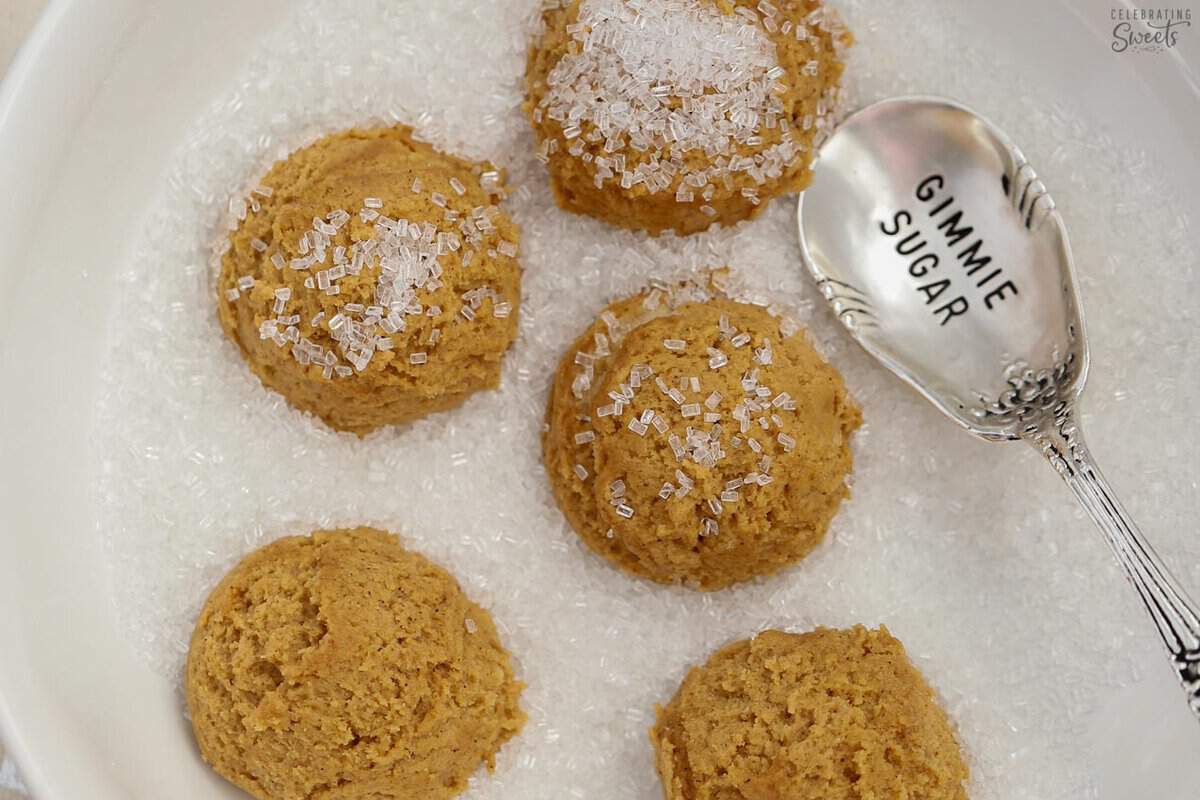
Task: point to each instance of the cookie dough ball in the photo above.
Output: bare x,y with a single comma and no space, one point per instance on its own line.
373,279
693,439
340,665
677,114
827,715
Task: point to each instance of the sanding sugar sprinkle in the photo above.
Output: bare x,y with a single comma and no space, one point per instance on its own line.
408,257
666,77
971,553
693,448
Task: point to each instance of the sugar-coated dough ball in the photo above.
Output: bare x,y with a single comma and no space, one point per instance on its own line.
341,665
694,439
373,279
677,114
826,715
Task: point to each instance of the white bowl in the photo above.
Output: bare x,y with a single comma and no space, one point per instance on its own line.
93,105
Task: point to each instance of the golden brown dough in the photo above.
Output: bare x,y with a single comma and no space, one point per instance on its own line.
728,453
340,665
696,167
376,283
826,715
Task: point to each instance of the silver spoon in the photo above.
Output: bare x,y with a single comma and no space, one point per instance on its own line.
943,255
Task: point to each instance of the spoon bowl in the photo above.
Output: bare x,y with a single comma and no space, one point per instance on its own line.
942,253
944,256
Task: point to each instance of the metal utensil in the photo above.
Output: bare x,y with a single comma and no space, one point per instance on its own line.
942,253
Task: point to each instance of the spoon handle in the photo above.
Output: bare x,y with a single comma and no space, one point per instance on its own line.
1176,615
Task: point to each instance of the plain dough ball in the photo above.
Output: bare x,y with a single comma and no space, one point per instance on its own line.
586,167
340,665
433,304
729,455
826,715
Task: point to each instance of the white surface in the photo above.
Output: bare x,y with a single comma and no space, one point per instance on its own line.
89,718
16,19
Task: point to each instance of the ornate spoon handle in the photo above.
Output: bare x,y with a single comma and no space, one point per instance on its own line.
1174,613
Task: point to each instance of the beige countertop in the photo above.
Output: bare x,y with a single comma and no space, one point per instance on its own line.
16,18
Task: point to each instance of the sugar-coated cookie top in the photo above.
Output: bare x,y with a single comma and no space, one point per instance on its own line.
714,104
367,251
696,439
372,279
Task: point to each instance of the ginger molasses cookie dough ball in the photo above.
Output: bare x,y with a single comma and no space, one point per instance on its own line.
373,279
697,440
675,114
826,715
341,665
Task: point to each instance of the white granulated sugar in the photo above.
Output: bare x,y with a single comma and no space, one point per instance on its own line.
971,553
